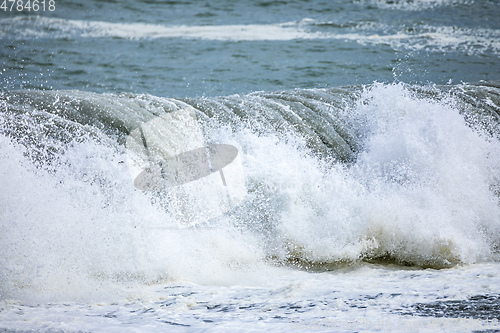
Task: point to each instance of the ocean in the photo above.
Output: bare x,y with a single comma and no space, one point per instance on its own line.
248,166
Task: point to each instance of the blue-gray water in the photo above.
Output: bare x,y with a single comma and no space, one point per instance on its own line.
236,47
368,146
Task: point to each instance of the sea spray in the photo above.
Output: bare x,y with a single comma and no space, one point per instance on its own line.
418,189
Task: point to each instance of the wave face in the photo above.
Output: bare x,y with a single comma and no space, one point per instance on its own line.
387,173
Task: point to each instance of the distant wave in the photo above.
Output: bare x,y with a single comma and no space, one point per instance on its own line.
430,38
61,28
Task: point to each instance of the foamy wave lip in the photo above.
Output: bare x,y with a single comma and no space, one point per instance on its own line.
55,27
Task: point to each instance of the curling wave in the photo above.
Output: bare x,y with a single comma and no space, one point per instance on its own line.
386,172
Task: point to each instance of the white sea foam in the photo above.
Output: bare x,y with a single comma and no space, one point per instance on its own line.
420,193
87,226
431,38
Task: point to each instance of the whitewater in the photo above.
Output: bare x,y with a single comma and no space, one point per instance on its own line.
336,224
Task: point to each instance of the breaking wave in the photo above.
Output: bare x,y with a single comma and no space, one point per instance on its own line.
390,173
